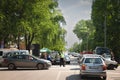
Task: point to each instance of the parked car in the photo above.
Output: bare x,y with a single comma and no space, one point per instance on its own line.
92,66
16,52
67,59
56,58
25,61
75,54
3,52
111,64
103,51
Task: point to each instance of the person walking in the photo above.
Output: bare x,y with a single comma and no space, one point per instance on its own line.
62,61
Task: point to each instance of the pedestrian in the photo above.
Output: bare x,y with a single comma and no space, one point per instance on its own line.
62,60
44,55
49,57
112,54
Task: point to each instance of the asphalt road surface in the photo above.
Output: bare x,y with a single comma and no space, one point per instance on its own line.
69,72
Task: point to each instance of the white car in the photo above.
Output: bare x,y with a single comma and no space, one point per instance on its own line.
92,65
67,59
111,64
3,52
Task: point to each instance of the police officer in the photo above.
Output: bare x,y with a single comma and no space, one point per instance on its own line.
62,61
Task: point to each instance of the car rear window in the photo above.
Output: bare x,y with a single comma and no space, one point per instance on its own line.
93,60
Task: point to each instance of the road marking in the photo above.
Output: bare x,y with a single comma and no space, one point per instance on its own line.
61,72
58,76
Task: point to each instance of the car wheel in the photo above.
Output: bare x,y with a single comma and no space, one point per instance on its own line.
11,66
116,66
111,67
40,66
69,62
104,77
82,77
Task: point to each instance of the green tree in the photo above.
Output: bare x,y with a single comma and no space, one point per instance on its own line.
9,11
107,13
75,48
84,30
52,33
34,20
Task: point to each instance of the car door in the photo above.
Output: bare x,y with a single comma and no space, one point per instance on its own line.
31,61
20,61
25,61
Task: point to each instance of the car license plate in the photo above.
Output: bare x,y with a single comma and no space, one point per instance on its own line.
57,61
93,67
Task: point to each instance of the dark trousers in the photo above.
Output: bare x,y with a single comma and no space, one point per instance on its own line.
62,62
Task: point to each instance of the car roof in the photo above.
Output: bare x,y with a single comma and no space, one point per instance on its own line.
19,51
21,54
91,56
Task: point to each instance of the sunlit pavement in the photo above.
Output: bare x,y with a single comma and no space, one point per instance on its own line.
72,73
114,74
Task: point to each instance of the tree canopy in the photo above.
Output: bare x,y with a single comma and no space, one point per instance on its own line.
35,21
106,13
84,30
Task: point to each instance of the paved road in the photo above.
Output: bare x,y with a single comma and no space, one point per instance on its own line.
69,72
114,74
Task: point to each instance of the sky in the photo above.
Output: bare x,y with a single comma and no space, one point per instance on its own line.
74,11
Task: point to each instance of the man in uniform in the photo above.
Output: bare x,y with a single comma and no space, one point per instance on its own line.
62,60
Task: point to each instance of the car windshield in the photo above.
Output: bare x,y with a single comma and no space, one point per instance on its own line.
103,50
93,60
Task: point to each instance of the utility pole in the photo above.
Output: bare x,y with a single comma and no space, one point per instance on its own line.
105,33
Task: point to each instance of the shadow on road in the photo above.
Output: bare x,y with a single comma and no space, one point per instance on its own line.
73,77
21,69
77,77
75,69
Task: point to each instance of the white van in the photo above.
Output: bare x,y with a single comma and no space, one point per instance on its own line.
16,52
3,52
10,52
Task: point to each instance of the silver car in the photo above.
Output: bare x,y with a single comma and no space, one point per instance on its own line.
25,61
92,66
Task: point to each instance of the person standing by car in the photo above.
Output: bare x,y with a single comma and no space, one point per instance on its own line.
112,54
62,61
49,57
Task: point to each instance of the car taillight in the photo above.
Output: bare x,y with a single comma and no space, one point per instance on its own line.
104,67
83,67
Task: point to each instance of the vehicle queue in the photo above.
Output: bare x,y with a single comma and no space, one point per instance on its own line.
90,64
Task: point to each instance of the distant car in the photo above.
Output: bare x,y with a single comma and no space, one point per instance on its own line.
56,59
105,52
67,59
92,66
25,61
75,54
